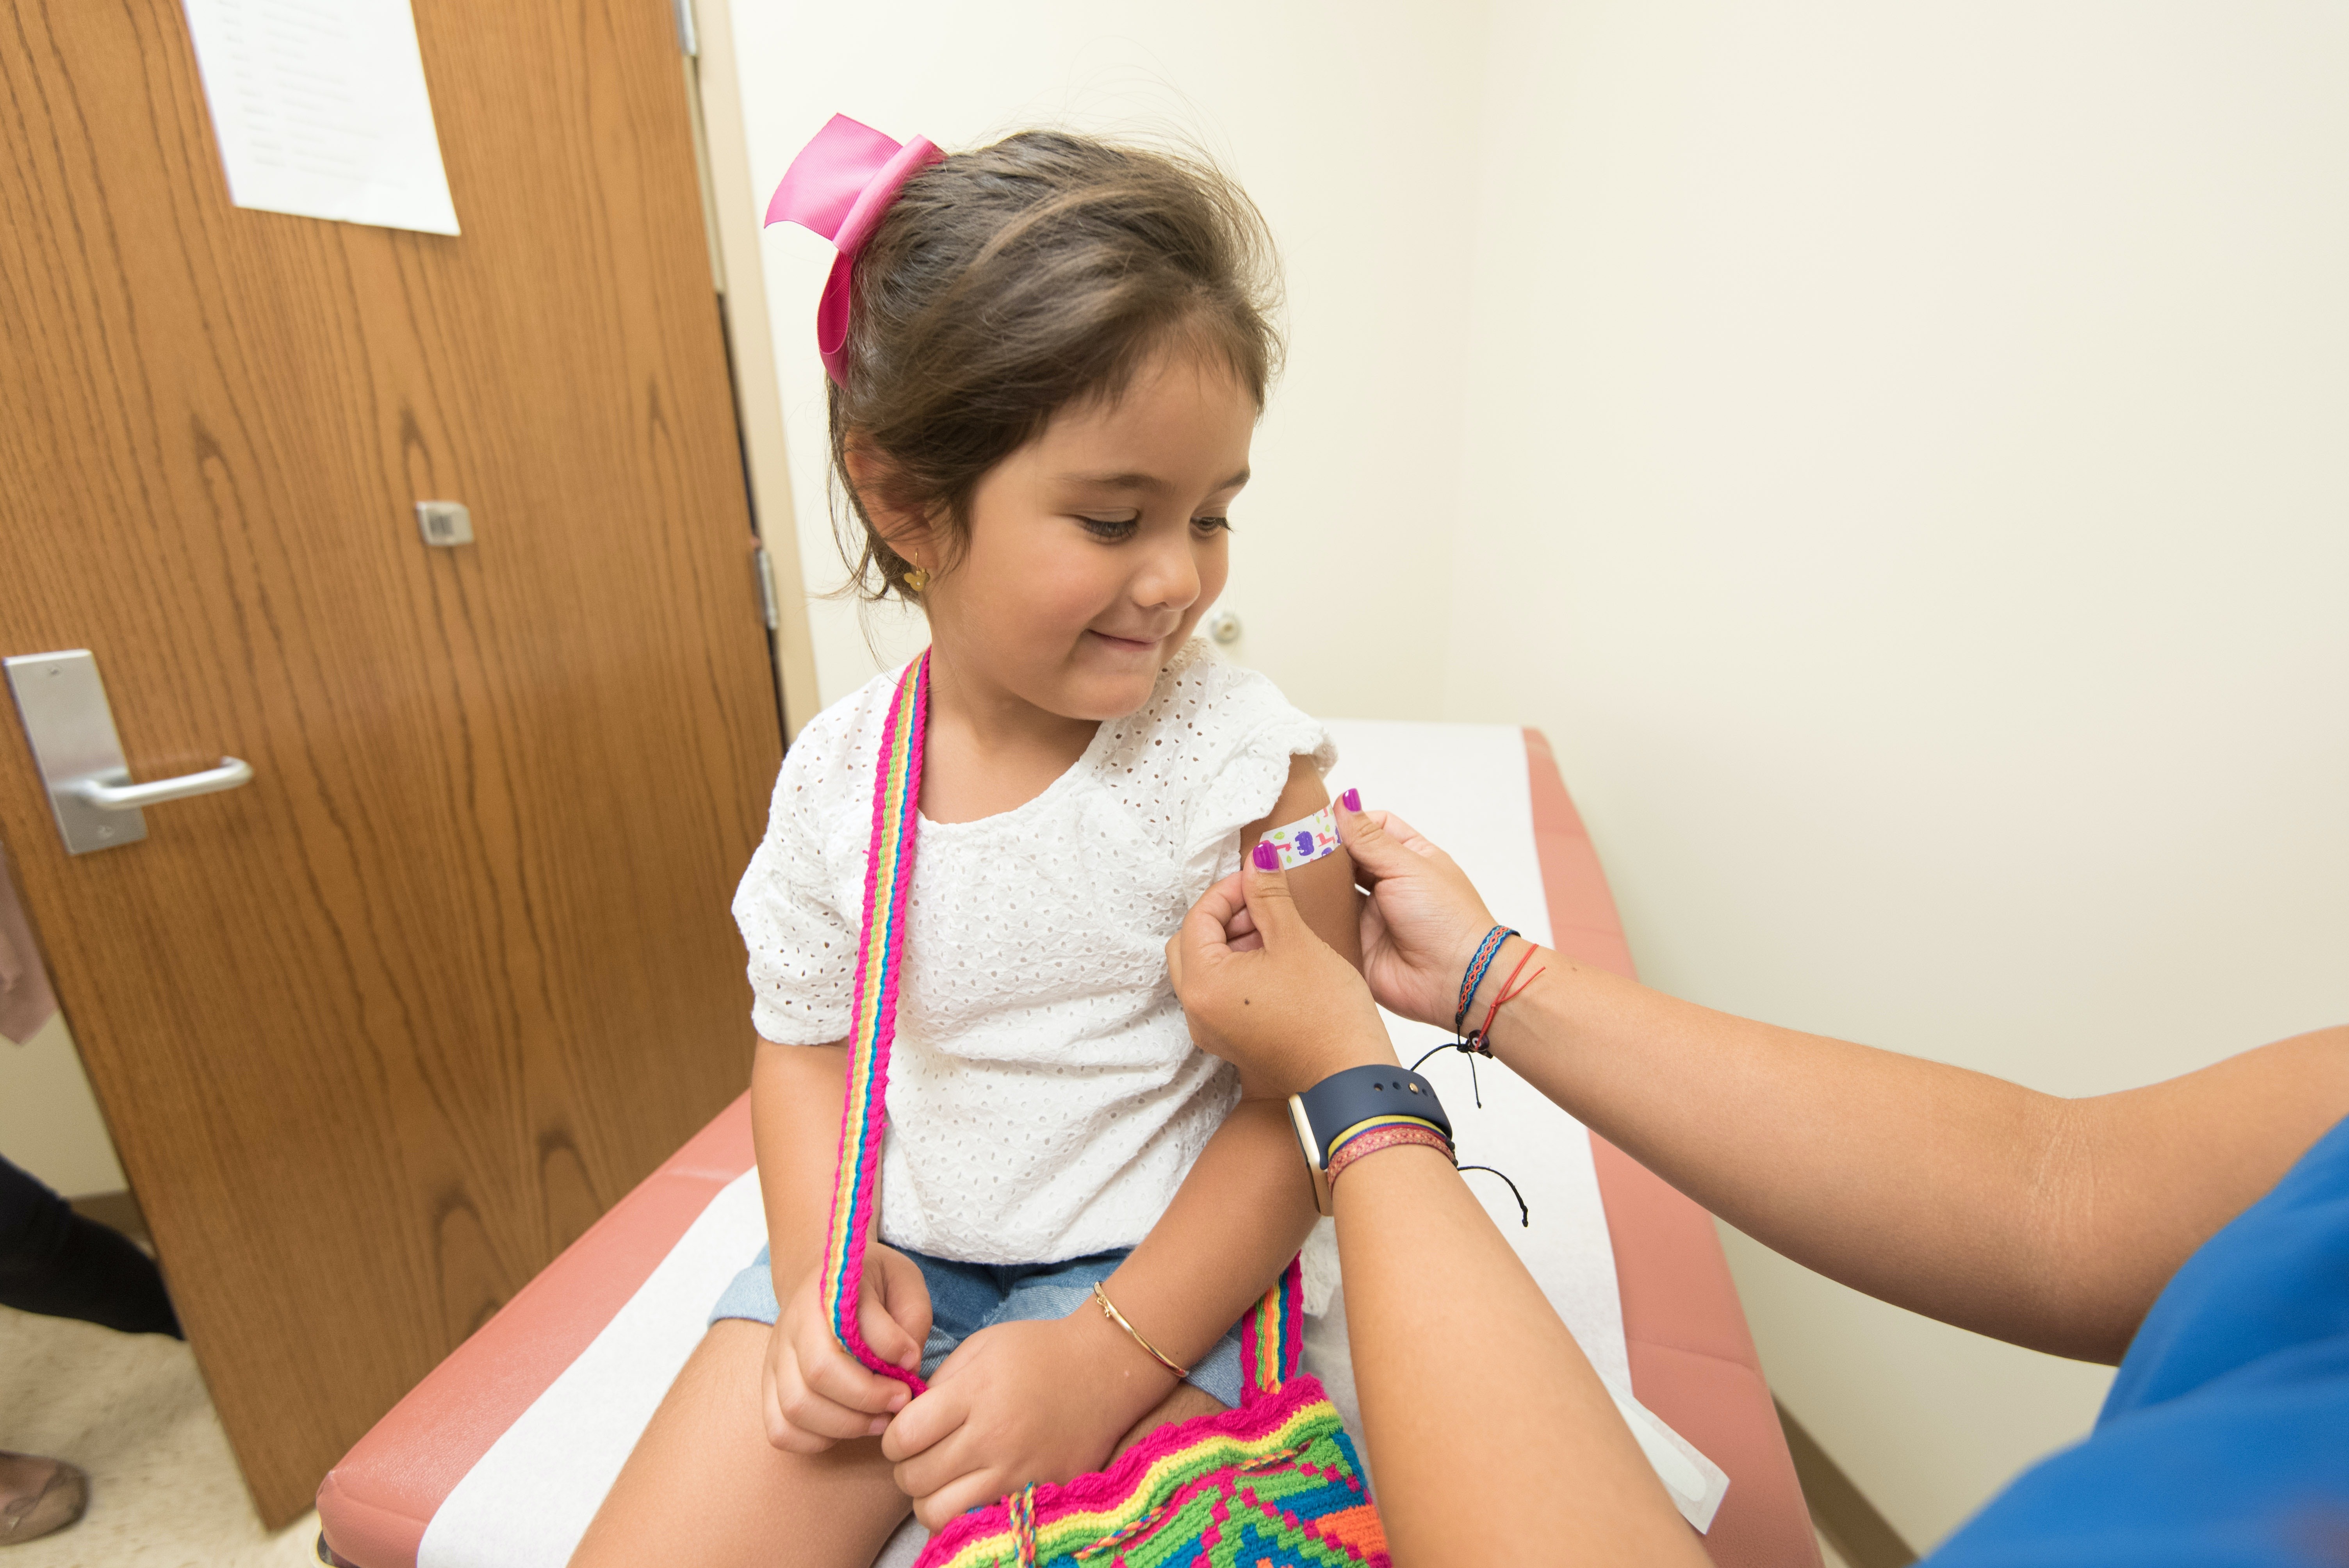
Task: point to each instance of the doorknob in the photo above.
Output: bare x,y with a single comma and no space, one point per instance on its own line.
71,729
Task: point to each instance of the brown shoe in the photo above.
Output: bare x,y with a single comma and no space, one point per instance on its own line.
38,1496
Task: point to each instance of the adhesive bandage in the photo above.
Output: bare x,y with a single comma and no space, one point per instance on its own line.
1303,842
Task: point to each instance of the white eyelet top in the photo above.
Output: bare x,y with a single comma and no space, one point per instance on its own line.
1045,1099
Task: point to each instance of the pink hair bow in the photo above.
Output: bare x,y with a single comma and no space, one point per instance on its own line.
839,186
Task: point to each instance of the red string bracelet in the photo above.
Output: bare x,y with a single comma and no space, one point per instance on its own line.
1505,996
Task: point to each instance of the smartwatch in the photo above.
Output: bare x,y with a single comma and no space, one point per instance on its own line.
1344,1101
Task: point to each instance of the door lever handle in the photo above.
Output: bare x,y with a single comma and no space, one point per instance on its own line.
96,791
71,729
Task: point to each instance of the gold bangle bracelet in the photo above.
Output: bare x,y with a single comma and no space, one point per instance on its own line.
1110,1312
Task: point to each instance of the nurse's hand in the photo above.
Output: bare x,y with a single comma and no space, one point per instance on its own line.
1262,991
1423,919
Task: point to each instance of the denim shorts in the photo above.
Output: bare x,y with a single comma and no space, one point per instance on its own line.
967,1297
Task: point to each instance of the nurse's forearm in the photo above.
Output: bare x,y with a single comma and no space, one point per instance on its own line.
1492,1438
796,1094
2043,1222
1902,1178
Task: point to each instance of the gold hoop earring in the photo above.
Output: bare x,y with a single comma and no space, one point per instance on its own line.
916,580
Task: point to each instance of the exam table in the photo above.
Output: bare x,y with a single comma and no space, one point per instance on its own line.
470,1467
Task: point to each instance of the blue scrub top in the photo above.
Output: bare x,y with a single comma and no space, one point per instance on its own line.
2225,1440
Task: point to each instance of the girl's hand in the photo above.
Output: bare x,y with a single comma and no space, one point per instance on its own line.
1423,918
1275,1000
812,1392
1020,1402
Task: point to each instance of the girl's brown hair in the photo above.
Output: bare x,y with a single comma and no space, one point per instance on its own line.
1005,285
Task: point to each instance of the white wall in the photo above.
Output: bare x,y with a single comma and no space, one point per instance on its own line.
1894,451
1905,477
1348,125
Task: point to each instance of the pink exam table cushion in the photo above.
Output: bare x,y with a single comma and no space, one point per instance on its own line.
1692,1360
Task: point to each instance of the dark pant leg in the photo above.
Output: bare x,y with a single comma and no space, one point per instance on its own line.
56,1262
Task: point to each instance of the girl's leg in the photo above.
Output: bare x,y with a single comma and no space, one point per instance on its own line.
705,1487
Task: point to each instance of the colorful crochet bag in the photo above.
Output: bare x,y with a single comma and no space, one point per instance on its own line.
1273,1484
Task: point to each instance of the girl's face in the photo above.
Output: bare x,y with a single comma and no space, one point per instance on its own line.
1094,549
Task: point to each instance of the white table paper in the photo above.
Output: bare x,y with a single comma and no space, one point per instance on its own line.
321,110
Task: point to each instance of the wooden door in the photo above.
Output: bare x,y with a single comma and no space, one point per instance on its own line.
380,1032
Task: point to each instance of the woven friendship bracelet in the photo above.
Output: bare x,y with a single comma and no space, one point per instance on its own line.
1372,1123
1110,1311
1487,950
1394,1135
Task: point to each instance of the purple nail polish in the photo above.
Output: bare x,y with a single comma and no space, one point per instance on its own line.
1351,800
1268,859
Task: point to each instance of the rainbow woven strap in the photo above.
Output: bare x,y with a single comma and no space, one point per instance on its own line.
1273,1484
880,954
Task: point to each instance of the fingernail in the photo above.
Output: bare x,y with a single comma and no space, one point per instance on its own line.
879,1425
896,1402
1351,800
1268,859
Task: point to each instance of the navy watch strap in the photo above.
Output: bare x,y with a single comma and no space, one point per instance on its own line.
1357,1094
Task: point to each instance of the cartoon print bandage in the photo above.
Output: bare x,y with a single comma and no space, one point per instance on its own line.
1302,842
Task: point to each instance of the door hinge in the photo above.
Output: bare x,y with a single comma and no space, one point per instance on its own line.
763,568
685,39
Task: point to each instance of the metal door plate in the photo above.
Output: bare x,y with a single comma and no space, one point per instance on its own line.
72,733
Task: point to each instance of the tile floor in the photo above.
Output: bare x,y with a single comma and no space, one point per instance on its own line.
130,1410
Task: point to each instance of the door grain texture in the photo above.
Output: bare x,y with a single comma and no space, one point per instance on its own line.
381,1032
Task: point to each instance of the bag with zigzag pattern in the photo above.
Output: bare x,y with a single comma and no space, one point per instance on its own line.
1273,1484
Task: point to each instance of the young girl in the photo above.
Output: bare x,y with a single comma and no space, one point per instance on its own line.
1048,363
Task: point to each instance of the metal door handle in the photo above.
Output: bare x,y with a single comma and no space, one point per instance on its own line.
96,791
80,757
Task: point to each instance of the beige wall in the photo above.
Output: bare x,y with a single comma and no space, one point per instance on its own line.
49,1124
1351,128
1904,476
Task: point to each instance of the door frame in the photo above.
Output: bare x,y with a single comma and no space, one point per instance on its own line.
731,201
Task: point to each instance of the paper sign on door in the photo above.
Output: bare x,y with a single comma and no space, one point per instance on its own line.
321,110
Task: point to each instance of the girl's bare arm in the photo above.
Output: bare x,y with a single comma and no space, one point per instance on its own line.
812,1393
1244,1209
795,1100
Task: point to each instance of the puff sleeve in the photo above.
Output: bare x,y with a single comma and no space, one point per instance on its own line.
1247,732
802,946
